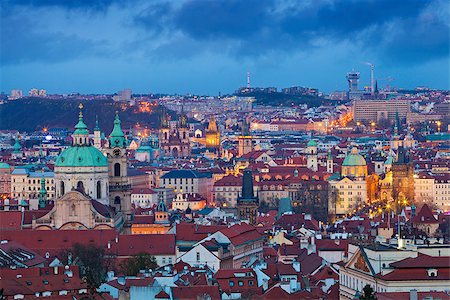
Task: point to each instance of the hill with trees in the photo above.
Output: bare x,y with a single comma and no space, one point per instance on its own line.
30,114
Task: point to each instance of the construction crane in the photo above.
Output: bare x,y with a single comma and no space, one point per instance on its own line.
388,79
372,78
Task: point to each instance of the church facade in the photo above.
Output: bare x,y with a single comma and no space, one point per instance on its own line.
174,142
92,187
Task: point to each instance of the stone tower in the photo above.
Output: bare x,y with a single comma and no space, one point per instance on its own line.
330,168
97,135
311,153
212,134
247,203
119,185
245,140
402,179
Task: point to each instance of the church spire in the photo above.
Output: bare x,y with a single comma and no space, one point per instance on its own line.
81,133
97,127
117,137
42,192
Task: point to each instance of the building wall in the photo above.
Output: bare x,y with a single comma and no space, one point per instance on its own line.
346,195
27,187
368,110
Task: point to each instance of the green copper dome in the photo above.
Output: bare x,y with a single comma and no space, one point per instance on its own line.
81,156
4,165
354,159
17,147
117,137
312,143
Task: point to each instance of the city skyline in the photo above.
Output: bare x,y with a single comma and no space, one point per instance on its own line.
175,47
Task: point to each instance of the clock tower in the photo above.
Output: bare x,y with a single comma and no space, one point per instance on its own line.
119,185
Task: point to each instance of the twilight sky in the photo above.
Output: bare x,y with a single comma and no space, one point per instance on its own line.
204,47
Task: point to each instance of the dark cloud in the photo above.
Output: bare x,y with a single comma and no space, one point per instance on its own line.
67,4
258,27
21,44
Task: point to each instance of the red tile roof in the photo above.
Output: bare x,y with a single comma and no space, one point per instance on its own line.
154,244
297,221
194,232
406,295
194,292
42,241
423,261
242,233
416,274
10,220
425,216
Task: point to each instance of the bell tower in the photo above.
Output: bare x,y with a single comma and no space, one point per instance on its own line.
97,135
245,140
311,154
164,133
329,162
247,203
183,131
119,185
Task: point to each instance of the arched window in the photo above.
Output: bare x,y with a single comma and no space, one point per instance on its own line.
81,141
117,170
165,135
99,190
80,186
117,200
184,135
73,211
62,187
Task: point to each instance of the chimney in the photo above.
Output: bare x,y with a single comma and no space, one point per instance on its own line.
413,295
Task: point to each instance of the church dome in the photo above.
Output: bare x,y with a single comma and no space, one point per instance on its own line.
354,159
312,143
81,156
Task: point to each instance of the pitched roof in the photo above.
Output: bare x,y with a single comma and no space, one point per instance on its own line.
10,220
425,216
153,244
194,292
185,174
422,261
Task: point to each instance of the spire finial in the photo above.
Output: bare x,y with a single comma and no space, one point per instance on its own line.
80,115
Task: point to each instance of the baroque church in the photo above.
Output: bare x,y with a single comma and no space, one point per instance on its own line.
174,141
92,187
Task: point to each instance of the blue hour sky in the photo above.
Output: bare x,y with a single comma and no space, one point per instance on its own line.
206,47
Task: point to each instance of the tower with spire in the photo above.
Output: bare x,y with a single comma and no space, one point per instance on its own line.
330,168
97,135
174,142
17,149
247,203
42,193
212,134
119,184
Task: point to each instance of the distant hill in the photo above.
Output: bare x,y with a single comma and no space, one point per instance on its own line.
281,99
29,114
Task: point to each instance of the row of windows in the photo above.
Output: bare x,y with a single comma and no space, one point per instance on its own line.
241,283
175,180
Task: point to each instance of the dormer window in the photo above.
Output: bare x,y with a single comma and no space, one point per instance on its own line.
432,272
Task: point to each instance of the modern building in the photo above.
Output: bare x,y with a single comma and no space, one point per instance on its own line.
376,110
